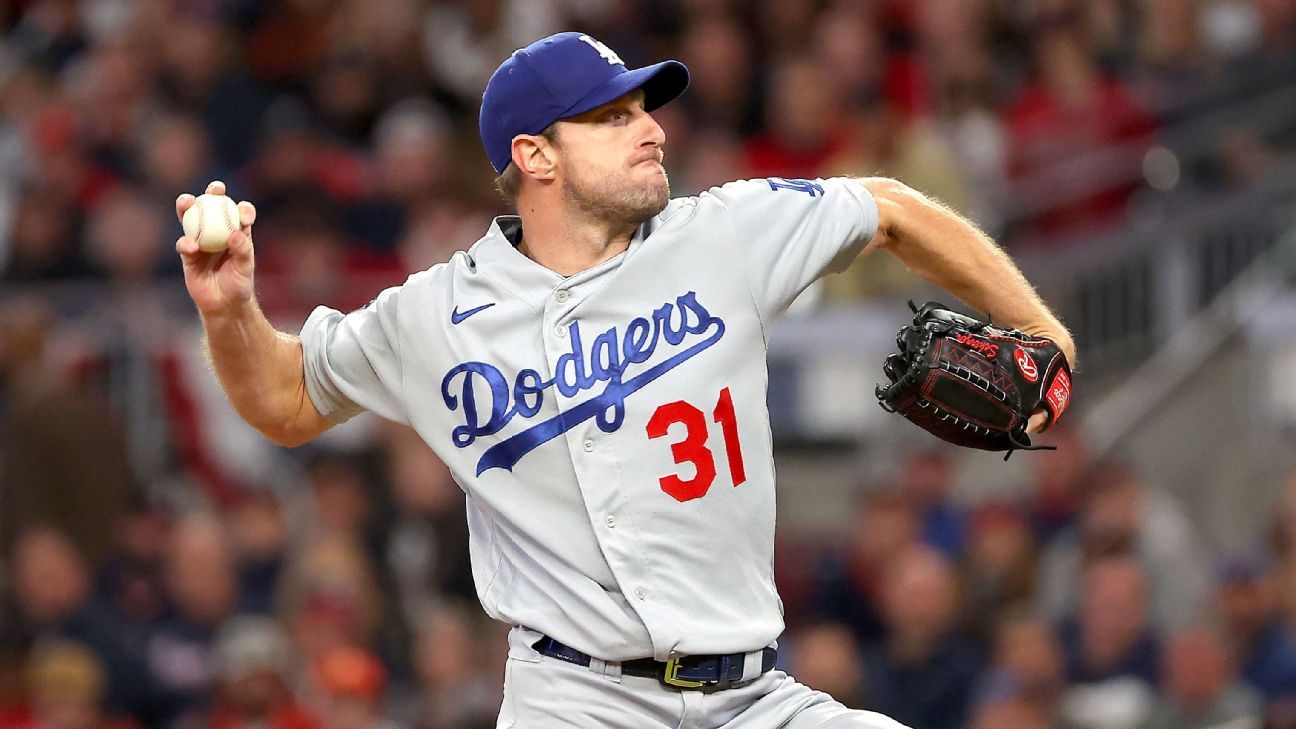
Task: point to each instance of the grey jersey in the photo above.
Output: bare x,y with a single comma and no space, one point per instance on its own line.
609,428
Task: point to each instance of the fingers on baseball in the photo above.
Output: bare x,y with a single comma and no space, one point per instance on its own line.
240,244
183,203
188,249
247,214
216,187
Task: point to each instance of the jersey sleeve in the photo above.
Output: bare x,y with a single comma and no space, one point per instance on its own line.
792,232
353,362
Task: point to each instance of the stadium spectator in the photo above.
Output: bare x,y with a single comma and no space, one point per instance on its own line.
1063,125
1110,636
126,241
1264,647
52,598
1201,690
259,537
252,664
63,462
329,598
803,117
458,681
339,500
51,582
722,83
926,482
202,588
849,592
463,42
427,543
68,688
352,684
998,571
132,580
1058,482
1027,667
1122,516
826,657
172,151
1010,712
922,673
43,241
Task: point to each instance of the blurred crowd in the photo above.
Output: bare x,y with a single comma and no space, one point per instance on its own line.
1087,601
162,567
352,123
342,597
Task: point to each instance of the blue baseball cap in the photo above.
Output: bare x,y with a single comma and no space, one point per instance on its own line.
559,77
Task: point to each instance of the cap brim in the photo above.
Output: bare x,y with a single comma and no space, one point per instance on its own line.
661,83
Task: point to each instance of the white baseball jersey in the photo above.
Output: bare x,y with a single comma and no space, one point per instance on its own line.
609,428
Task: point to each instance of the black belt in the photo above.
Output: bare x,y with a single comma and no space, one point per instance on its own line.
680,672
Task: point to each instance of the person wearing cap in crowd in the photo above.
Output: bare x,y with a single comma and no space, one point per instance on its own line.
252,663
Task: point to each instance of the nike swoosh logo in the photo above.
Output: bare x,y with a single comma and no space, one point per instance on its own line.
457,316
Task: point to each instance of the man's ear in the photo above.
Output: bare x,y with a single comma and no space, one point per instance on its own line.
534,156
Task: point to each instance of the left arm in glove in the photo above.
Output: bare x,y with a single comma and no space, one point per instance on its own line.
947,250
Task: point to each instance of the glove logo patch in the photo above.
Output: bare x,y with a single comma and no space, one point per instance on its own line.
980,346
1027,365
1060,393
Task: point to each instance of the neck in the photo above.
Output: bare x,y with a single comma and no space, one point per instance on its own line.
567,242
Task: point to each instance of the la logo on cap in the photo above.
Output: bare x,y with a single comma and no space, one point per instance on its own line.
612,58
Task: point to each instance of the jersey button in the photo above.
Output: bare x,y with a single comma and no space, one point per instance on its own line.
641,593
562,295
611,521
589,446
560,332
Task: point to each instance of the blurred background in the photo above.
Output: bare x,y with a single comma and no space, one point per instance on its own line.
162,566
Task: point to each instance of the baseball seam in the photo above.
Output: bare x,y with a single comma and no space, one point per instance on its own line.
202,221
230,226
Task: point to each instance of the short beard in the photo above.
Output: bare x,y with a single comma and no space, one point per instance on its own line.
616,200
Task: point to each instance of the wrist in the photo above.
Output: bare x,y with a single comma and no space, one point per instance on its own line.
230,313
1058,336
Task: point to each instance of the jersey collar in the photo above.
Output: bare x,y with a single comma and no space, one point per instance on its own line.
497,256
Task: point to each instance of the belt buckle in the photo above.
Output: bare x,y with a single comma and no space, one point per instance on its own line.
669,676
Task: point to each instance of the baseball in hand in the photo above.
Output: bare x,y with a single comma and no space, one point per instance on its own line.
210,220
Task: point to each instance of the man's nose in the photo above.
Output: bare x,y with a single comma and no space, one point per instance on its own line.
654,134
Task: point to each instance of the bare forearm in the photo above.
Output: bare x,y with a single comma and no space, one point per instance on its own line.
261,371
948,251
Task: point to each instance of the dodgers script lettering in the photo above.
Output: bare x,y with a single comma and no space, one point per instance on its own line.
684,324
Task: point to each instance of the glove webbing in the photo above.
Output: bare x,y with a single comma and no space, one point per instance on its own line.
945,415
949,417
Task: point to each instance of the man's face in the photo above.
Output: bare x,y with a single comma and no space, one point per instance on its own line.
610,161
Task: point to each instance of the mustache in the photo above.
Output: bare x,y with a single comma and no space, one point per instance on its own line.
657,156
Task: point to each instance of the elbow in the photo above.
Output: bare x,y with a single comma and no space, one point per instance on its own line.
898,205
293,432
285,437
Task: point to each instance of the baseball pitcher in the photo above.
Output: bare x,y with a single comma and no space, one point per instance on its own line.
592,370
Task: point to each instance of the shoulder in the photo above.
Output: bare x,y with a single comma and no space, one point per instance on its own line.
429,278
760,187
791,190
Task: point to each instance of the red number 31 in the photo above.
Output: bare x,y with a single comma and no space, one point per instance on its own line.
693,449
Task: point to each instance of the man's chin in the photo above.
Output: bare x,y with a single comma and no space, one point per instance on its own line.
631,204
652,205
